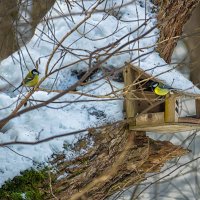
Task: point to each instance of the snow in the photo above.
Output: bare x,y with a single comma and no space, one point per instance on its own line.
45,122
55,118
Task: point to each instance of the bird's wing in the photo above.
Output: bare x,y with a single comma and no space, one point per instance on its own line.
29,77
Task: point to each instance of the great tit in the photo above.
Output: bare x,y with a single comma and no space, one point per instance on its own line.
30,80
160,89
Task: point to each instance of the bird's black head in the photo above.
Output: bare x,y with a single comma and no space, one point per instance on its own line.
35,72
154,84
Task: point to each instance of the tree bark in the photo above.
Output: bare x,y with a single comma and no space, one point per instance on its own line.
172,16
8,17
191,29
119,158
10,29
40,9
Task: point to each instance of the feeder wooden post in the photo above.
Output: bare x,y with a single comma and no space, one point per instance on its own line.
170,114
131,107
130,104
197,102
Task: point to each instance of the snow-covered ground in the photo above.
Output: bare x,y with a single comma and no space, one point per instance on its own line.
56,119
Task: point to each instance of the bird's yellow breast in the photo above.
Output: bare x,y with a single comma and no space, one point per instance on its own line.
161,91
33,82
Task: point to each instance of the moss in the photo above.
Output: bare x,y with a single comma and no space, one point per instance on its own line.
14,196
27,185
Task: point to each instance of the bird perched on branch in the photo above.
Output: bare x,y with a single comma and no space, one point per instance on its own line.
160,88
30,80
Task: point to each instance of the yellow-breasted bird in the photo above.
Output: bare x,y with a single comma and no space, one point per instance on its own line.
160,88
30,80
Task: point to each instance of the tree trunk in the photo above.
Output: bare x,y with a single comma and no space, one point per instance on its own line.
10,27
191,29
172,16
40,9
119,158
8,14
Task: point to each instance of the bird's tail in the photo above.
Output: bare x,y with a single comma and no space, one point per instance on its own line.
17,87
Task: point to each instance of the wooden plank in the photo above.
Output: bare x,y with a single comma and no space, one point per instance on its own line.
150,118
131,108
190,120
144,75
170,108
130,105
166,127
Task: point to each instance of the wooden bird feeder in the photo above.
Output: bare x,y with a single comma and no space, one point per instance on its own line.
146,111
